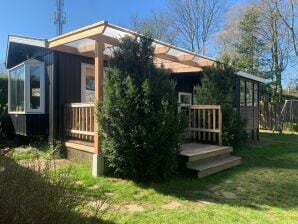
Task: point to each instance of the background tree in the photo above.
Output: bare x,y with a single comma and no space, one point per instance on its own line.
139,118
227,38
250,46
157,25
288,12
196,21
277,40
217,88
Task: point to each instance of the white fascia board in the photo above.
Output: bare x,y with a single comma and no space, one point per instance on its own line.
250,76
28,41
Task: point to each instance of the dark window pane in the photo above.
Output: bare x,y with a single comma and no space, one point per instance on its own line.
249,94
256,95
35,73
17,78
242,92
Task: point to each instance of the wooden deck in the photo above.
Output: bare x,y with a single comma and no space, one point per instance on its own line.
208,159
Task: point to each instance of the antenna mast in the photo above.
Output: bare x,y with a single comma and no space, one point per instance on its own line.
59,16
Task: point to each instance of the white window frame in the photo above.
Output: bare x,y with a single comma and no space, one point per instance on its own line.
184,94
27,109
41,109
84,66
9,92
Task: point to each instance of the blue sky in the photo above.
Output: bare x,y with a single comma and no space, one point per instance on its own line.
35,17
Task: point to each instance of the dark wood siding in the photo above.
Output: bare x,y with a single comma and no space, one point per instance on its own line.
67,81
36,124
185,82
30,124
69,73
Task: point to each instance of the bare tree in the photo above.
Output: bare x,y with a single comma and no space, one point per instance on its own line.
229,36
277,38
195,20
157,25
288,12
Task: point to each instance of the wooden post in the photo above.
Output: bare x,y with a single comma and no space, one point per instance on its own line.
98,62
220,126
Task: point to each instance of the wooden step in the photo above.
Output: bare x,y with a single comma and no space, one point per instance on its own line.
215,166
208,159
196,151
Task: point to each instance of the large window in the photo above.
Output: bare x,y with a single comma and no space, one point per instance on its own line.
16,90
249,94
256,95
242,92
26,88
88,83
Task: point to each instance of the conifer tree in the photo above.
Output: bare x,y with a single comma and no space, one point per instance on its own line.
139,118
250,46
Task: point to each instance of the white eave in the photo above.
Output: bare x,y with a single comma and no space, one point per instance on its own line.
251,76
32,41
28,40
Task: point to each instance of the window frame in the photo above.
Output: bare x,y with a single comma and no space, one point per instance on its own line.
185,94
41,109
27,109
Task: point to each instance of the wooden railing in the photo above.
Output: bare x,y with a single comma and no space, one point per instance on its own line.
79,121
205,123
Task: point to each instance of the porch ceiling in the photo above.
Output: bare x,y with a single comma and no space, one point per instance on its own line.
83,42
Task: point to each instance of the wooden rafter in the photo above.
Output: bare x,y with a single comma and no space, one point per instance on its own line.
85,32
185,60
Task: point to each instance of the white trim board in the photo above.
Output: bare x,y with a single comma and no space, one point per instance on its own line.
28,40
250,76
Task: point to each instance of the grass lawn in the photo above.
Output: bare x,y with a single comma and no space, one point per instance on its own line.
264,189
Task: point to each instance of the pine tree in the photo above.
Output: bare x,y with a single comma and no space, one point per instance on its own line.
250,46
139,118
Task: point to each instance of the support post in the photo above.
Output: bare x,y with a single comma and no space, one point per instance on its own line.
220,126
97,167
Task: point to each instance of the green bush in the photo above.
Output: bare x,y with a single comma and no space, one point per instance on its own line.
35,195
139,119
6,128
218,88
3,93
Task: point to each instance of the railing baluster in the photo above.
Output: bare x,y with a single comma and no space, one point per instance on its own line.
79,121
205,123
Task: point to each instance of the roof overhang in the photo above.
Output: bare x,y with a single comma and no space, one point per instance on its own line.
83,42
251,76
23,44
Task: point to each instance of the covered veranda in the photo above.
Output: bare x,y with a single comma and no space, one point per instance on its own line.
97,41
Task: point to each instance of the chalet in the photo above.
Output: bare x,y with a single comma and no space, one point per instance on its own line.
54,83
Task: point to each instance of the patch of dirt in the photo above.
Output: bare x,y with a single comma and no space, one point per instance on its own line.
228,181
172,205
212,187
79,182
109,194
98,204
94,187
134,208
228,195
204,202
44,164
241,189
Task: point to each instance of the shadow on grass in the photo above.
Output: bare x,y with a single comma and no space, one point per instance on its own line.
36,196
267,177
